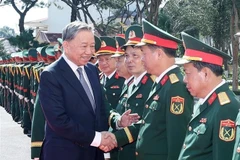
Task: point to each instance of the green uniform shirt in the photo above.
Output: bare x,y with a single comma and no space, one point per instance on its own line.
211,131
167,112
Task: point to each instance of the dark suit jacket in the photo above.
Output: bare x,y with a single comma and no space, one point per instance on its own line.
70,120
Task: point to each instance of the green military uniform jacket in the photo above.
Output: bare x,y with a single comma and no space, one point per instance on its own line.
211,131
38,123
133,99
167,112
26,123
37,132
113,89
236,150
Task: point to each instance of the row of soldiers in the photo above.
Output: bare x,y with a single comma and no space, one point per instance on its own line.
138,72
19,80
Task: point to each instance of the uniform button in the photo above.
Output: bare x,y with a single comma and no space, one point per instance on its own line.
189,128
136,153
198,132
121,148
184,146
238,150
146,106
136,104
139,137
128,105
114,94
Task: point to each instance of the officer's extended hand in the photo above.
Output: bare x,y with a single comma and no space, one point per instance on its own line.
127,119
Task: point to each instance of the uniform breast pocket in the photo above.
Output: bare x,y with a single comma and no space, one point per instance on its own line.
201,129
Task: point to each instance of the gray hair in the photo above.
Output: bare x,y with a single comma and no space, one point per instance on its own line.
73,28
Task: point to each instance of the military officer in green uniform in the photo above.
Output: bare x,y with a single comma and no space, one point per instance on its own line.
134,98
8,79
236,150
16,84
110,79
211,131
123,72
13,83
25,90
168,107
121,67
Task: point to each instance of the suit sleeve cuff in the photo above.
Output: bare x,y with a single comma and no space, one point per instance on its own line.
97,140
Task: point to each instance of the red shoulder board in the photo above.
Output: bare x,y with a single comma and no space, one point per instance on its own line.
212,98
144,80
116,75
164,80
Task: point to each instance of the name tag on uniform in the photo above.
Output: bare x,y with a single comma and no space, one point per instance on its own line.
139,96
114,87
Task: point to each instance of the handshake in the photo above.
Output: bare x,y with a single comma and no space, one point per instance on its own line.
108,140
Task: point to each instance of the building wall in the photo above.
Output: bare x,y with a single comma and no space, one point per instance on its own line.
57,18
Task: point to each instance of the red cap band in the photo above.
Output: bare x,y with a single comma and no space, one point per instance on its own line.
107,49
160,41
135,39
206,57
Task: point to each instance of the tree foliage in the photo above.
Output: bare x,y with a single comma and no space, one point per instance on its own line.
81,11
6,32
25,40
22,7
2,50
216,20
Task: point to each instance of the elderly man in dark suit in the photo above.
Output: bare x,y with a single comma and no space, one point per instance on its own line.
72,101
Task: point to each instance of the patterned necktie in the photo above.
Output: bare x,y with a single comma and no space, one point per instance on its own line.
86,88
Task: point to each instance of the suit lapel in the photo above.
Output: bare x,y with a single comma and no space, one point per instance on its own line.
199,110
71,78
124,90
205,105
111,80
135,89
154,90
